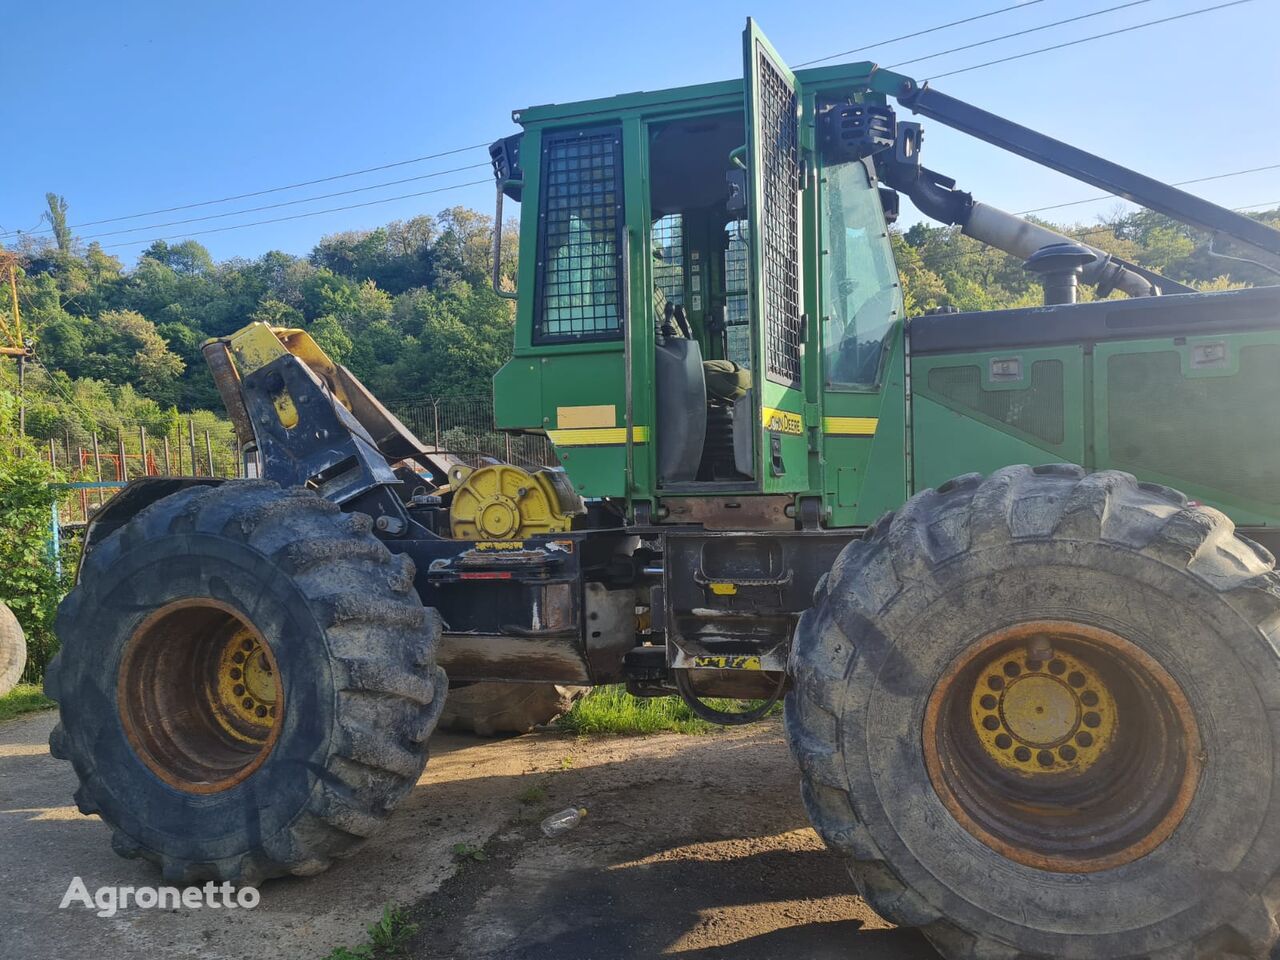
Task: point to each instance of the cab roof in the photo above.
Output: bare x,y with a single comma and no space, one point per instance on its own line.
722,93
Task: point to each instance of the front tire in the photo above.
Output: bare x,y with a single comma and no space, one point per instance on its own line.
1035,713
246,683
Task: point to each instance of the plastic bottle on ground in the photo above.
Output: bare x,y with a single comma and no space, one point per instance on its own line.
564,821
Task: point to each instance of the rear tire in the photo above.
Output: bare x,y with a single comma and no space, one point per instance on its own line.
1162,842
491,709
246,683
13,650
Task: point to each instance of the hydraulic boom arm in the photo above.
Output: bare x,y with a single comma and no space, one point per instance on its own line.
1077,163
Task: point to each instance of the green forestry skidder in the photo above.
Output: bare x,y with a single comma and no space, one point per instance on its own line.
1031,687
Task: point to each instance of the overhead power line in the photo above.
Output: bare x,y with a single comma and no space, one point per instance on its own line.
285,203
1179,183
920,33
297,216
1096,36
445,153
264,192
1018,33
400,163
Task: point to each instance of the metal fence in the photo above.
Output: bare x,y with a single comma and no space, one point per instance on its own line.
97,465
463,426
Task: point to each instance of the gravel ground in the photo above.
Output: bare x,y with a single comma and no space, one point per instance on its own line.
693,847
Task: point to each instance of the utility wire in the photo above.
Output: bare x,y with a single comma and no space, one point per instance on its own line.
1096,36
259,193
1179,183
919,33
1149,23
286,203
298,216
1019,33
400,163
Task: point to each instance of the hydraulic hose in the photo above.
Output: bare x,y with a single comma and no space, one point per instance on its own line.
1022,238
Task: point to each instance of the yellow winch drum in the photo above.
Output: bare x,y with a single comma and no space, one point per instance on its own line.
505,502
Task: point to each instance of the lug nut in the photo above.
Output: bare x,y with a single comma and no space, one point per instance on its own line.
1039,649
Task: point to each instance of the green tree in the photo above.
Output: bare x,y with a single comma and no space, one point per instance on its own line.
58,221
126,347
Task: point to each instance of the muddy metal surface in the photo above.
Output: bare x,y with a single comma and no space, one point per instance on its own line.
693,847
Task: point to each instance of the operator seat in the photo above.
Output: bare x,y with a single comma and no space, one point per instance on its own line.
681,389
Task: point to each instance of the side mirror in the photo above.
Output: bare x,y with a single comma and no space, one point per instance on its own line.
505,156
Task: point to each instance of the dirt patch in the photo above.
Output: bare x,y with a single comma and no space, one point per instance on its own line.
694,847
701,852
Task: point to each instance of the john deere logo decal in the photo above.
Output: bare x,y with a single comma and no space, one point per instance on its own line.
780,421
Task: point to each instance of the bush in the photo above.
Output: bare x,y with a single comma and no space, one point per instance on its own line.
30,584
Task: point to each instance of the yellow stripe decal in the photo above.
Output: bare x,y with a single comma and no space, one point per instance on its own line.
850,426
597,436
782,421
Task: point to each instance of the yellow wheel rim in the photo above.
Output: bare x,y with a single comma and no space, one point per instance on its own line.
1062,746
245,689
199,695
1040,711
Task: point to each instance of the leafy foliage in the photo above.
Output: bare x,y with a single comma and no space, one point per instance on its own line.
30,583
388,937
941,267
407,306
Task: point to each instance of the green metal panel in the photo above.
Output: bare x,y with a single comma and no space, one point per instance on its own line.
1193,413
977,412
864,442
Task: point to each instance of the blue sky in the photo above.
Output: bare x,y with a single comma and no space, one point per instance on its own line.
137,106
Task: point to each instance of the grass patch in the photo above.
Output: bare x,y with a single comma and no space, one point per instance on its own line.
388,936
24,698
533,795
469,851
611,710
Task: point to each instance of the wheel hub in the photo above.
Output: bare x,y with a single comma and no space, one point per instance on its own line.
1038,711
1062,746
246,690
199,695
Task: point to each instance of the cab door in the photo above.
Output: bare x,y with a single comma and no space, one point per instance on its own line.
775,182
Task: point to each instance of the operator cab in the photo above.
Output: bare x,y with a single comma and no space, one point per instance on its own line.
706,297
702,344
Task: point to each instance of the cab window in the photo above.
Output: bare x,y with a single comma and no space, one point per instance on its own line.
861,295
579,277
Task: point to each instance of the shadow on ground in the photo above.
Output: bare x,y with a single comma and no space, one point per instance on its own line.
709,860
694,847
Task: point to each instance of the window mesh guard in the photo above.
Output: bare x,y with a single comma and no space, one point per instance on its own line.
779,229
580,239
